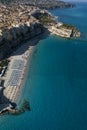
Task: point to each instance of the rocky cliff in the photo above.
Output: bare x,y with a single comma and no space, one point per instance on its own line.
16,25
21,22
16,35
67,31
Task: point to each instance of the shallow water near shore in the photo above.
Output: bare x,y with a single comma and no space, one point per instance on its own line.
56,84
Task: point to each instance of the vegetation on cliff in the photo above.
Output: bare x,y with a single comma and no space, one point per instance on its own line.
16,25
46,20
22,21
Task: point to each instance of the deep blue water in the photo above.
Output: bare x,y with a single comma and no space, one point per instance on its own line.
56,84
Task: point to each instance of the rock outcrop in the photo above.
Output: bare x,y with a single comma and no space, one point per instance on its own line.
13,37
16,25
65,31
21,22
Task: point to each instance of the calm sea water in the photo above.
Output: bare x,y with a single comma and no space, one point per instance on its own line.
56,85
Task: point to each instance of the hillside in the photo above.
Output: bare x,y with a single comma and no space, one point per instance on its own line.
20,22
43,4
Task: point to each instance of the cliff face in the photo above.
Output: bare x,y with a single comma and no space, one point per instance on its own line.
66,31
15,36
20,22
16,25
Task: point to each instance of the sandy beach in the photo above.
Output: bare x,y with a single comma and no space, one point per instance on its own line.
16,71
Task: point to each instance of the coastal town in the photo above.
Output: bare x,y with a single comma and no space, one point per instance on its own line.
20,27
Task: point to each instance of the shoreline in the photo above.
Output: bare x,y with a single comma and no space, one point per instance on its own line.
22,86
13,93
19,59
13,58
23,54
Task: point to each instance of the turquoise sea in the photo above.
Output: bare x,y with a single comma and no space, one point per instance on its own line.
56,84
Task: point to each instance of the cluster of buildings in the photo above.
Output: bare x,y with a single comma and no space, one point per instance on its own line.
17,24
14,15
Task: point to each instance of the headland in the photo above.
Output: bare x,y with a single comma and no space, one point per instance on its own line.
21,22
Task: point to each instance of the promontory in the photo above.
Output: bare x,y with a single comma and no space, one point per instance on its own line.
23,21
